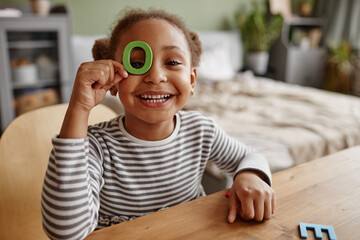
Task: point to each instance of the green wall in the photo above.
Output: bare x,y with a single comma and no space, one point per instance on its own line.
96,16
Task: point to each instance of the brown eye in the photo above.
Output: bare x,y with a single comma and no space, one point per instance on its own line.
137,58
137,65
173,63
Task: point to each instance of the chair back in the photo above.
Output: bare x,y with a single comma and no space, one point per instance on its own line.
24,153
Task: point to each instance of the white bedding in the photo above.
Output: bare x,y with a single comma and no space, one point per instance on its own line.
289,124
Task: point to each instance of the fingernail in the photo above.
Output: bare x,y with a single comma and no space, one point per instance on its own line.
231,219
125,74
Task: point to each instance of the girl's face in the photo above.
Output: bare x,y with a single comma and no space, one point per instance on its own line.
157,95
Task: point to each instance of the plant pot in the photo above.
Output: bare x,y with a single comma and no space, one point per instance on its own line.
257,62
337,80
40,7
306,9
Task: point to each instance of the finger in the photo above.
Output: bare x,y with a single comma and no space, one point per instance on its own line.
267,209
95,75
259,210
104,77
117,78
91,77
273,203
111,70
233,206
106,66
119,74
120,69
247,209
112,84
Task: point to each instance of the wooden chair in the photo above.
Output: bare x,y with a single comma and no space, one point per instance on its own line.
24,152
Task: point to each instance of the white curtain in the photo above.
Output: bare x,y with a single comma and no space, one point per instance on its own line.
342,21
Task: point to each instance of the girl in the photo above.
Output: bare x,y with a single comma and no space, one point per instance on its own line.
153,156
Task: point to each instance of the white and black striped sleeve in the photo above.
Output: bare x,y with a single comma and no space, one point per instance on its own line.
233,157
70,197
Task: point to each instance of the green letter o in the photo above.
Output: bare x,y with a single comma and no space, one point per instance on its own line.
127,53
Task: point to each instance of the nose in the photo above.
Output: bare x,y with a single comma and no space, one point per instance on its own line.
155,75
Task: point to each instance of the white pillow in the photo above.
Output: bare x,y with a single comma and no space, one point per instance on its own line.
215,64
82,46
231,39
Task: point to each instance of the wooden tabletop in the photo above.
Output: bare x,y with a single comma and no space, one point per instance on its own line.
324,191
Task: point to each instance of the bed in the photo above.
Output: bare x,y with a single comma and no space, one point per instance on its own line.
288,124
303,123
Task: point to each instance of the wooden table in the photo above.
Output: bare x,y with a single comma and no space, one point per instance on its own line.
325,191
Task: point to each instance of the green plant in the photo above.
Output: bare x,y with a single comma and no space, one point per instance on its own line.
259,29
340,68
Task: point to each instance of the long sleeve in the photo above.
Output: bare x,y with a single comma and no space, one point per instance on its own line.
135,177
70,198
233,157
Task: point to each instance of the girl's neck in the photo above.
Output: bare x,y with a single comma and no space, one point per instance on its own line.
149,131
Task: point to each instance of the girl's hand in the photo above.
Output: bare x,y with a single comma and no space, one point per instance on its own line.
93,80
251,197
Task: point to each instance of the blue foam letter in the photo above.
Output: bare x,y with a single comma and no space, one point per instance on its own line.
317,228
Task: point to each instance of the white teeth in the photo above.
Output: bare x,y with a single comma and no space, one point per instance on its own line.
155,98
150,97
155,101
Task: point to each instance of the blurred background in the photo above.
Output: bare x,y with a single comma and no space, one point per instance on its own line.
42,42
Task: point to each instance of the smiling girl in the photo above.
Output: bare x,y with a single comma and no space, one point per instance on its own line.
153,156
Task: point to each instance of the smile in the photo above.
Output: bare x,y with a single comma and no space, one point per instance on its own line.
155,98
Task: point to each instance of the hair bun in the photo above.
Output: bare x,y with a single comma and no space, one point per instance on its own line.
100,49
196,48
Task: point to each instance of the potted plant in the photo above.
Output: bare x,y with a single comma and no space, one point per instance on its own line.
40,7
259,30
340,68
304,7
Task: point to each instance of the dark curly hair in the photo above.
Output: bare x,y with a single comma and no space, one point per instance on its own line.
105,48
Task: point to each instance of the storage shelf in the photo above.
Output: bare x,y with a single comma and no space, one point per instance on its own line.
32,44
32,38
38,84
298,56
305,50
304,21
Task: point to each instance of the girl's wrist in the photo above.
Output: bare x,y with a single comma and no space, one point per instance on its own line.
75,122
77,107
251,172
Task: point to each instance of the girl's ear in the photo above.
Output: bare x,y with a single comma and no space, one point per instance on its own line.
193,78
100,49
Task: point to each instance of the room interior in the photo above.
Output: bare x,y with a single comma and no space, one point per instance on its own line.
305,104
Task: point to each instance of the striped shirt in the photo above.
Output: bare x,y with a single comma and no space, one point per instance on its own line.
111,177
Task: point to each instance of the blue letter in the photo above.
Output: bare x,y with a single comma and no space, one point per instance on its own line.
317,228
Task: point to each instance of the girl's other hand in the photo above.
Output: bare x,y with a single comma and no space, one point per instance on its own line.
251,198
93,80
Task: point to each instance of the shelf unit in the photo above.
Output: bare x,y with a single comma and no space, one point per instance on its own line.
299,62
30,37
